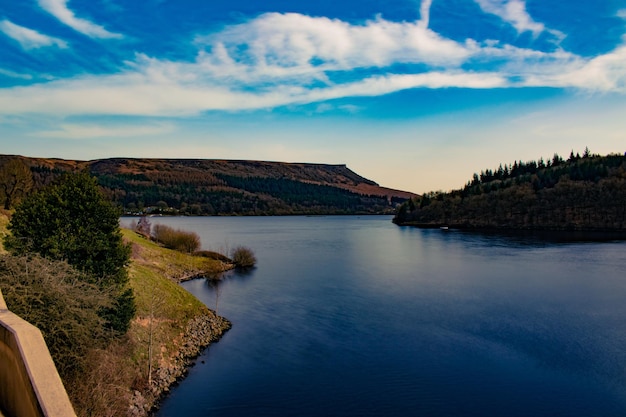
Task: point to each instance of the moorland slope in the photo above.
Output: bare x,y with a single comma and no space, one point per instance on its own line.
226,187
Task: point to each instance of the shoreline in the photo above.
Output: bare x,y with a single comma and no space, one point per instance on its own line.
565,234
172,327
467,227
201,332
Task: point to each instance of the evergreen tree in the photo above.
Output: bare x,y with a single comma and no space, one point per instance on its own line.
72,220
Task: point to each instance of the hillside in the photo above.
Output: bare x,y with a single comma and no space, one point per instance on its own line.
222,187
169,330
580,193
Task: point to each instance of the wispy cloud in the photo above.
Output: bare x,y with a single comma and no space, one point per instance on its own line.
425,13
327,107
90,131
29,38
153,95
603,73
275,44
291,59
59,9
13,74
514,12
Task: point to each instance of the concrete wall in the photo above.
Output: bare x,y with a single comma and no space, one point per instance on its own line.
30,385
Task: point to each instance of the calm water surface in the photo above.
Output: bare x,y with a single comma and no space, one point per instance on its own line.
354,316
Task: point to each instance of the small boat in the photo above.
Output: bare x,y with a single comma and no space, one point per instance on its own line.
444,227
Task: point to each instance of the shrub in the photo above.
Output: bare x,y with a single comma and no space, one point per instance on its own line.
180,240
243,257
57,299
71,220
213,255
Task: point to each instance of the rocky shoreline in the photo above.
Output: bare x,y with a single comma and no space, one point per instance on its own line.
200,332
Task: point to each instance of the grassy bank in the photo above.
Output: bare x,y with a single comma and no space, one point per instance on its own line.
155,273
170,327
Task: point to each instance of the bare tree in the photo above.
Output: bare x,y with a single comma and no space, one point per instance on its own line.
144,227
156,304
16,181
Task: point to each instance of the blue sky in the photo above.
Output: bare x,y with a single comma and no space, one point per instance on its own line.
416,95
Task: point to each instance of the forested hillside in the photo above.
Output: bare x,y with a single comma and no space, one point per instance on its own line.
220,187
585,192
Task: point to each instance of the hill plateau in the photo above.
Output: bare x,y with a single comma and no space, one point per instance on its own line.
225,187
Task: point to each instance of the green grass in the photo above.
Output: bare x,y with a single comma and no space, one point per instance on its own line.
155,273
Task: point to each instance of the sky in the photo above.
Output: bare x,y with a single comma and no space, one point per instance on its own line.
415,95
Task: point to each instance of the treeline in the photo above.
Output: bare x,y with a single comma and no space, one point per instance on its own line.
232,195
585,192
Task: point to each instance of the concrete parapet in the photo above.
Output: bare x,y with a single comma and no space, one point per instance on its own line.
30,385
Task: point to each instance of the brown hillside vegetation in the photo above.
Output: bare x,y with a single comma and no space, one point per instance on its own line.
227,187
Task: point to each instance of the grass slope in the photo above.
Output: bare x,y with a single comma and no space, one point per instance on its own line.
165,311
154,276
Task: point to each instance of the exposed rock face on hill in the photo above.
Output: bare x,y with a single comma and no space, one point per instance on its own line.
223,187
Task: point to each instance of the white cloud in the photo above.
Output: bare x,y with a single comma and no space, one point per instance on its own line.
376,86
514,12
138,94
425,13
603,73
28,38
59,9
347,108
277,42
13,74
291,59
90,131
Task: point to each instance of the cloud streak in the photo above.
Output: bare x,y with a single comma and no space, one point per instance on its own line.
29,38
514,12
90,131
274,43
291,59
59,9
13,74
425,13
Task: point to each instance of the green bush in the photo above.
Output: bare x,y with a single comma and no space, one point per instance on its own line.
71,220
180,240
243,257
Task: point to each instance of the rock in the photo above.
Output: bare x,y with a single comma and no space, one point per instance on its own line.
200,332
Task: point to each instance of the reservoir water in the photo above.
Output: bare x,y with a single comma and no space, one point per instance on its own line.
354,316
